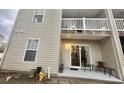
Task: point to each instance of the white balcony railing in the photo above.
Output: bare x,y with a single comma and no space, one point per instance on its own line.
120,24
98,24
72,24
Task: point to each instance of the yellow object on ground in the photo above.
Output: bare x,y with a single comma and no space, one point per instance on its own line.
42,76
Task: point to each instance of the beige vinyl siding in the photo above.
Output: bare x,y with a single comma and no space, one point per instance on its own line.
108,53
95,50
49,34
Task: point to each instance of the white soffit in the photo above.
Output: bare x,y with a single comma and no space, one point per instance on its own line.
81,12
118,13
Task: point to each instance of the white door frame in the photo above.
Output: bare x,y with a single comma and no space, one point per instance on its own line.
80,54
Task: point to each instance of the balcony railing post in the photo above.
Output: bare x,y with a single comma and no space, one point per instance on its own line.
84,24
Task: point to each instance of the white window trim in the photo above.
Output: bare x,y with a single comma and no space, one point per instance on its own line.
31,49
34,16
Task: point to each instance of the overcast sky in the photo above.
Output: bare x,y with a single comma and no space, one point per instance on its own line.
7,18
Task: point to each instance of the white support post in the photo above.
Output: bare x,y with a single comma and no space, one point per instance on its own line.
84,25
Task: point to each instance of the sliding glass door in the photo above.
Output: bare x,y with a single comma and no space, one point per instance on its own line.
80,56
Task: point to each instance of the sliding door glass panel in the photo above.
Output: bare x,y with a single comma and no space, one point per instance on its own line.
75,57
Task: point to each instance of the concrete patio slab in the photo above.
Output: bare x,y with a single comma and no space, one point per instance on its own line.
88,75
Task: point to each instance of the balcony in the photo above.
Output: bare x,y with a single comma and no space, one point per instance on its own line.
90,24
89,28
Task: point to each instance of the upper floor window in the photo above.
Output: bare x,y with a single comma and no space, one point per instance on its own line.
31,50
38,16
